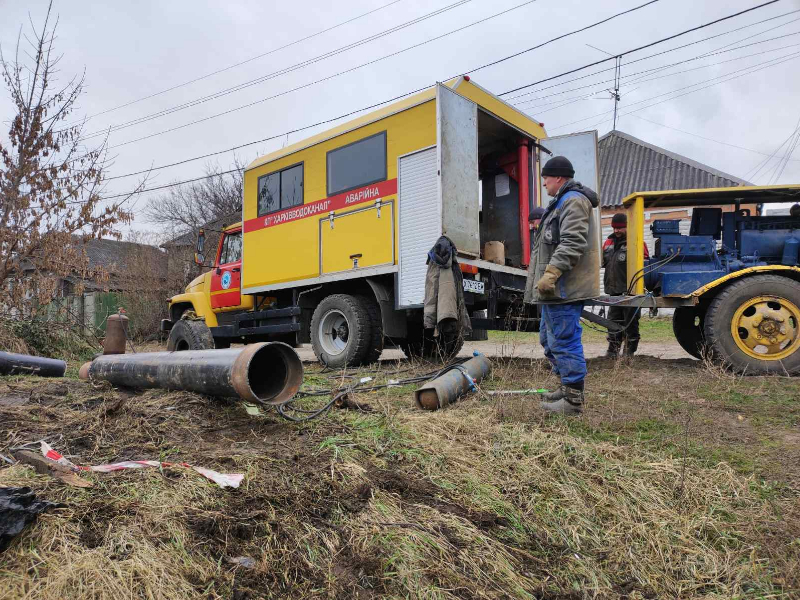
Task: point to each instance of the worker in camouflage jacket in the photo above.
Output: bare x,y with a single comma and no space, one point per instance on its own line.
564,271
615,283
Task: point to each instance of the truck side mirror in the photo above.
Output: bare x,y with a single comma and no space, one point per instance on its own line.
201,242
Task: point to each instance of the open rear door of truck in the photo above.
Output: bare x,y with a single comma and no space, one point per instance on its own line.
457,160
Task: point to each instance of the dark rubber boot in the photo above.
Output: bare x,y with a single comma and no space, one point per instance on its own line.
630,347
554,396
569,403
613,350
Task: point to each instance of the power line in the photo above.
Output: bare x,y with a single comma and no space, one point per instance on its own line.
761,164
278,73
244,62
755,69
646,72
705,39
567,102
662,40
702,137
378,104
323,79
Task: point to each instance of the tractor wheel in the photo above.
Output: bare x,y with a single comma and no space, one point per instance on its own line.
376,325
190,335
687,325
753,326
341,332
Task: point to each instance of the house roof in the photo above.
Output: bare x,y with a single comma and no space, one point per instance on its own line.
628,164
113,255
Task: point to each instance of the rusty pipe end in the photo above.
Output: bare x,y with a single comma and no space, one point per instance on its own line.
83,372
269,372
427,398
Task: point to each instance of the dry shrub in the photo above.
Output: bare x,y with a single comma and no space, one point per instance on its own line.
9,340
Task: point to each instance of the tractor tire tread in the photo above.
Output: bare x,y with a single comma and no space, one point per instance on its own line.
723,348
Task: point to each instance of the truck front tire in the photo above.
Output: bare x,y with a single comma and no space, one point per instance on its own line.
190,335
342,332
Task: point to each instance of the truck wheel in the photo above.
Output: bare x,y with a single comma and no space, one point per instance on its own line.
190,335
341,332
376,328
687,325
424,345
753,326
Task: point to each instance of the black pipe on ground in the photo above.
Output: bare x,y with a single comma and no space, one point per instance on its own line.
268,372
25,364
456,382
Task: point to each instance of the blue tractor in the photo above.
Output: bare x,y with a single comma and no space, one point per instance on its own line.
734,281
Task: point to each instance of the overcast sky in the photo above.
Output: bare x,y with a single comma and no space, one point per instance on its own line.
130,50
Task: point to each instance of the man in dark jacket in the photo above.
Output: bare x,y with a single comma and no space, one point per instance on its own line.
563,272
615,283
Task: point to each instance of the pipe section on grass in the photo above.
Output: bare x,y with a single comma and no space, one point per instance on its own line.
25,364
268,372
447,388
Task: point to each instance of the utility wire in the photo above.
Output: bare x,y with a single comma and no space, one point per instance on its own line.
329,77
403,95
757,168
390,56
244,62
705,39
763,65
278,73
644,73
662,40
702,137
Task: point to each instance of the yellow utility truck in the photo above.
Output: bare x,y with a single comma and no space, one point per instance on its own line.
335,230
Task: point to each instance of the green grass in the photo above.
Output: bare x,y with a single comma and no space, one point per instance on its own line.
652,330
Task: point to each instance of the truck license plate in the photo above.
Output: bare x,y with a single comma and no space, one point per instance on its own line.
476,287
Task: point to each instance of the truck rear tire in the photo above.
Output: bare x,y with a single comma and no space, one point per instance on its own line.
376,325
190,335
687,325
424,345
753,325
341,332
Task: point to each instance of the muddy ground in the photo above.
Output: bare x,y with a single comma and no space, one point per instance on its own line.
679,481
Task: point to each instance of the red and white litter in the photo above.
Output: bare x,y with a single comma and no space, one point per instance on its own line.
221,479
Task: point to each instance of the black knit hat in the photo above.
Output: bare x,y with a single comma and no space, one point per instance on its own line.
536,213
619,221
558,166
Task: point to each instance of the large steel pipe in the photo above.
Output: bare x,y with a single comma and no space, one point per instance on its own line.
25,364
268,372
454,383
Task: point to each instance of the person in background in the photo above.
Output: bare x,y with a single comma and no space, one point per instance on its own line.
615,283
563,272
794,212
534,218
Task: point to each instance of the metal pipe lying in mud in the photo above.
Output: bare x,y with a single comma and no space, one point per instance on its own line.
449,386
268,372
25,364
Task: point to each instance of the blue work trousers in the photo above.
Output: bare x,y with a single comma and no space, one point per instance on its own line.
560,335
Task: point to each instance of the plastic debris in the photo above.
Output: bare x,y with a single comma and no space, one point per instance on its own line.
244,561
221,479
18,508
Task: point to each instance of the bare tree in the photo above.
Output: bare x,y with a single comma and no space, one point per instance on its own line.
50,182
185,209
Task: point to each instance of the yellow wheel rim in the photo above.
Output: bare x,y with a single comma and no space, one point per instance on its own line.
767,327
